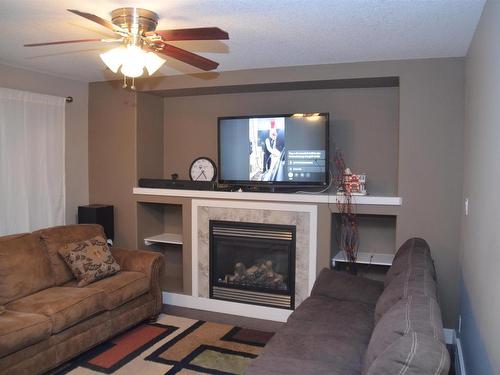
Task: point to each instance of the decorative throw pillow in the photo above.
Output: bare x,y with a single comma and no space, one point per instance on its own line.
89,260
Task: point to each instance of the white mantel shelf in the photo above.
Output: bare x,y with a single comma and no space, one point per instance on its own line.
274,197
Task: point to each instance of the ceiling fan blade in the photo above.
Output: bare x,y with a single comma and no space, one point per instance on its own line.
188,57
201,33
100,21
65,42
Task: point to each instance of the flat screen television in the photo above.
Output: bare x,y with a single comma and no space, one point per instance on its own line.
274,150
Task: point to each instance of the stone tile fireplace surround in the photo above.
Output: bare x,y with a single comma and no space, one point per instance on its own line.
302,216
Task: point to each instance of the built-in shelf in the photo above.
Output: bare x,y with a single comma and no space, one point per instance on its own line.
168,238
277,197
366,258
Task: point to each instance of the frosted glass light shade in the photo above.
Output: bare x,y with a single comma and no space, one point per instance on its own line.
133,62
113,58
153,62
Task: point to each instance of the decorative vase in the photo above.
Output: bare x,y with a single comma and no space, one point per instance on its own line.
349,240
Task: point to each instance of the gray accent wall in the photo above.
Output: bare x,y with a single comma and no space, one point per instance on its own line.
363,124
77,178
480,257
421,159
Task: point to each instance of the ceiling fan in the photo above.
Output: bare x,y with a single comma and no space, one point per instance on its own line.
141,42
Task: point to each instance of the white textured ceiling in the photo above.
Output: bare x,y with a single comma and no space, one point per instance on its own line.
263,33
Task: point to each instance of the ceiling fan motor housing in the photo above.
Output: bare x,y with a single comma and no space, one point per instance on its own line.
135,20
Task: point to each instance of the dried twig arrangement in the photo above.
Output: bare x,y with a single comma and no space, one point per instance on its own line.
347,235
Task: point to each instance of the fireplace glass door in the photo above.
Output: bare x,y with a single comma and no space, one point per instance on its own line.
252,263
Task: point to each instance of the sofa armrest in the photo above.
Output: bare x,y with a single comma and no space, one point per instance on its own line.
346,287
147,262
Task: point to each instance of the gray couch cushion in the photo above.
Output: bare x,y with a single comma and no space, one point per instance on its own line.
347,287
415,313
413,282
412,354
273,365
323,334
338,318
410,259
416,244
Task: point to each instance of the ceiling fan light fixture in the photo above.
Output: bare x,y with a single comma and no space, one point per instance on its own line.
153,62
133,61
136,28
113,58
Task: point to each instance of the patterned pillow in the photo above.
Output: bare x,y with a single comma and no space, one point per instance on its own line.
89,260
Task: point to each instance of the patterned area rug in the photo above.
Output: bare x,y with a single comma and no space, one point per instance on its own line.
173,345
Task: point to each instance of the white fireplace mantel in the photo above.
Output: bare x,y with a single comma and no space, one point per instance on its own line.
271,197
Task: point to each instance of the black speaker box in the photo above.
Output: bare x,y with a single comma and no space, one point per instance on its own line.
98,214
177,184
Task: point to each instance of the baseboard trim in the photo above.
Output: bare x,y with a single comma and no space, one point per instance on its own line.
450,338
226,307
460,356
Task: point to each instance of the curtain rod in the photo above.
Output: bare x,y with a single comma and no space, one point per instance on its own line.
69,99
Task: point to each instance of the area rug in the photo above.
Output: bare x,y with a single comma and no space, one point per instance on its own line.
173,345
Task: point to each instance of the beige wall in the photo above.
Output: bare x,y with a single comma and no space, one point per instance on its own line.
481,240
431,102
112,155
77,182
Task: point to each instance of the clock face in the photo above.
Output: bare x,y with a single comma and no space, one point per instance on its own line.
203,169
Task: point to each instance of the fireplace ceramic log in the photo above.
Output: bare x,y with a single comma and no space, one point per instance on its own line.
262,275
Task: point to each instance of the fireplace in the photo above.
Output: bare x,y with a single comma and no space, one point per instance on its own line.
252,263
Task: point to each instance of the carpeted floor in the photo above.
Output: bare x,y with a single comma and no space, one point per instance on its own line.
173,345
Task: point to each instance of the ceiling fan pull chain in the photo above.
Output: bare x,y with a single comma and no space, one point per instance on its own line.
124,81
133,84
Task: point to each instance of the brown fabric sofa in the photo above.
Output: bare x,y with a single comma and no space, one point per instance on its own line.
46,319
352,325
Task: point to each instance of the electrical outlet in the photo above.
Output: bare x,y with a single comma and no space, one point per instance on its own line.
466,207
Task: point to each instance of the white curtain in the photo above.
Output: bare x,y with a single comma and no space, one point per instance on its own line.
32,186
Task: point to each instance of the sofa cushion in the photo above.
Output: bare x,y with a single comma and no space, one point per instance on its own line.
24,267
338,318
416,244
89,260
297,343
55,237
410,259
63,305
347,287
415,313
119,288
272,365
19,330
324,335
413,353
413,282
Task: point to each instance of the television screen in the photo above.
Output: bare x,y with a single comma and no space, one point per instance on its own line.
274,149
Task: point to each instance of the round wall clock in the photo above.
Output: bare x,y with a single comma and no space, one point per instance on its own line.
203,169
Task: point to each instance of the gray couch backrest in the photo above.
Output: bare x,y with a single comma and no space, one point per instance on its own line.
408,336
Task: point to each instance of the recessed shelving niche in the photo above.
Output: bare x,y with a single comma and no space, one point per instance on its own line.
377,244
159,228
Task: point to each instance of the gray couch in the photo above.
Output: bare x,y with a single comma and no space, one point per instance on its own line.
353,325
